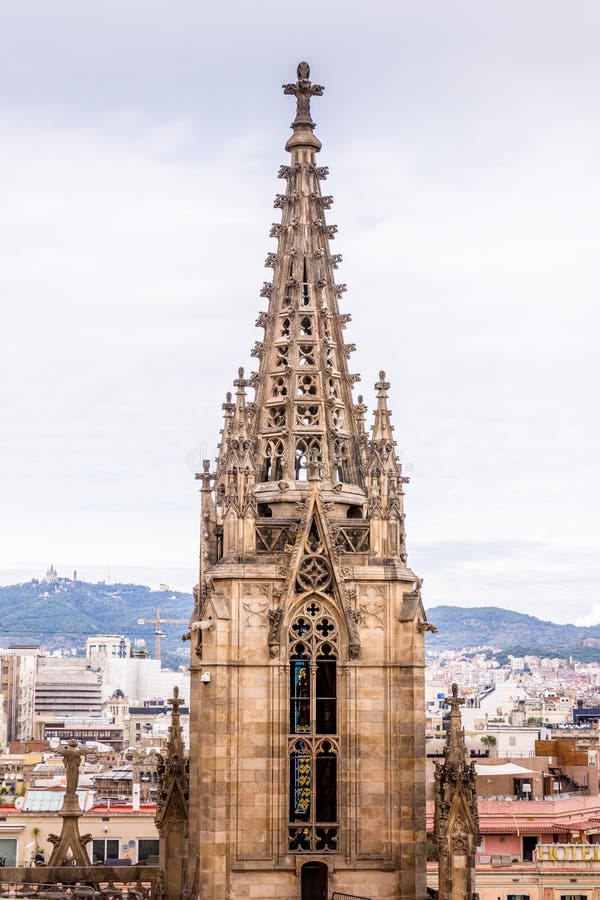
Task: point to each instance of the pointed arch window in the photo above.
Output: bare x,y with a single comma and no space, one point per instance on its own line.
306,355
307,448
305,293
306,325
341,460
313,740
281,355
272,469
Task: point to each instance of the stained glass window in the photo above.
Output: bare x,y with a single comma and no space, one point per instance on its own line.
313,758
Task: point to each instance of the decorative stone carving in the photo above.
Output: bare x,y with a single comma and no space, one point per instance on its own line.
275,619
371,611
352,620
303,90
256,613
69,846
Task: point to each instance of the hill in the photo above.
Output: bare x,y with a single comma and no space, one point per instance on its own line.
64,613
511,632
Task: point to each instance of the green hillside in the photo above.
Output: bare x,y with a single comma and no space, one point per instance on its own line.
511,632
63,614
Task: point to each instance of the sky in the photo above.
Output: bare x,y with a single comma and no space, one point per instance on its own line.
139,146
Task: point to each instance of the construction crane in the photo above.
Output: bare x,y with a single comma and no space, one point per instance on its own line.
158,633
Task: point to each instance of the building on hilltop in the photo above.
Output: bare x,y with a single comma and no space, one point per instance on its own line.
51,575
307,770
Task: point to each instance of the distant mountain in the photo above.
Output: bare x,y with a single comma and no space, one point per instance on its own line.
511,632
62,614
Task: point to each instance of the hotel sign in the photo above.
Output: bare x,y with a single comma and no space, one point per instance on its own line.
562,853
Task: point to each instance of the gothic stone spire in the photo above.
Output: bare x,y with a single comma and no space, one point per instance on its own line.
303,426
302,558
456,819
172,811
304,409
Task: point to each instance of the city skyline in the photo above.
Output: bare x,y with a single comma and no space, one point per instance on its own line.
462,147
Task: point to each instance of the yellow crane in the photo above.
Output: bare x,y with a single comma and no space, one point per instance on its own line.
158,633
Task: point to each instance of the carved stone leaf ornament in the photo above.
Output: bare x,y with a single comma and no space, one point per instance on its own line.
256,610
371,611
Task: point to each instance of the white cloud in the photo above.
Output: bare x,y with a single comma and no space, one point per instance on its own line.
133,229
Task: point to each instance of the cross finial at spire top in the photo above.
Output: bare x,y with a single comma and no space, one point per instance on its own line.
303,90
175,701
382,386
241,382
454,702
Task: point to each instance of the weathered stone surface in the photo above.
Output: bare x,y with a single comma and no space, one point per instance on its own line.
303,552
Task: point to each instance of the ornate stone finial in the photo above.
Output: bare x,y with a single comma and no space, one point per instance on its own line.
455,742
313,466
456,819
382,386
72,754
205,476
69,846
382,426
172,804
175,701
303,90
454,702
241,382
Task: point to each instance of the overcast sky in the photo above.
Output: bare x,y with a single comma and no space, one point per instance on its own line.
139,145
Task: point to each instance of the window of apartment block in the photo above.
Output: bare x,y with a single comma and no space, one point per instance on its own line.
8,851
105,849
147,851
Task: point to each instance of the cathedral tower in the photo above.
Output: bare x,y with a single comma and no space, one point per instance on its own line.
307,708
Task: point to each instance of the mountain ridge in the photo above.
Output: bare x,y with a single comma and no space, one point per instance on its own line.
511,632
61,614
